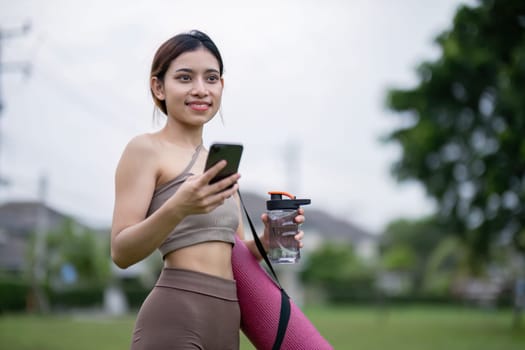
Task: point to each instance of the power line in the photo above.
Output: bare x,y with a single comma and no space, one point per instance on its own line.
22,66
100,113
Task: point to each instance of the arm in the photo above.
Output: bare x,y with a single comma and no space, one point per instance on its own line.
133,236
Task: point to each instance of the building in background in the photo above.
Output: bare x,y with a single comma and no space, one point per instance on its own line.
18,223
320,227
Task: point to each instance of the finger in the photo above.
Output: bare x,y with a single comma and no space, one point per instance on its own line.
224,194
298,237
299,219
218,198
300,211
211,172
231,192
222,185
264,218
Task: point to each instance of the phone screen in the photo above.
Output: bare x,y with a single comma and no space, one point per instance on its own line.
227,151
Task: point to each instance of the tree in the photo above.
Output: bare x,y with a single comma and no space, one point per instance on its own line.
421,235
76,256
407,245
464,133
445,266
339,273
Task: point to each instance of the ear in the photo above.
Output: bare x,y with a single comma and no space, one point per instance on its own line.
222,82
157,87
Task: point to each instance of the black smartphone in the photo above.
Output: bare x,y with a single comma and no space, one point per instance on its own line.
227,151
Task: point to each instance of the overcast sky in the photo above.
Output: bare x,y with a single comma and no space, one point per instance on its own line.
301,77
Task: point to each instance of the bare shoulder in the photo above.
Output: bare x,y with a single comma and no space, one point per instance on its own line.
139,154
144,147
143,144
135,179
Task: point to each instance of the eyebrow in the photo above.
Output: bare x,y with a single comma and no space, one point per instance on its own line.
188,70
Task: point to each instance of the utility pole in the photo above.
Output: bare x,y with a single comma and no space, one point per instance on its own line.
289,274
40,267
292,162
6,67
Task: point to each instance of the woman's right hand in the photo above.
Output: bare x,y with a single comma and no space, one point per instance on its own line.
197,196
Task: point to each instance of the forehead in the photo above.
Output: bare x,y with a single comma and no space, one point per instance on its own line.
200,59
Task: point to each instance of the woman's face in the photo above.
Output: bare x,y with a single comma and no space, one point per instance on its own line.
192,87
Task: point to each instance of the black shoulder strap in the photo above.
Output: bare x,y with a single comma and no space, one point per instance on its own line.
284,315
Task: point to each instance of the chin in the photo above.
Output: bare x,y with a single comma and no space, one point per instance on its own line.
200,120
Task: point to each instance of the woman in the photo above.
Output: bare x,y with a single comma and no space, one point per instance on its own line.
164,201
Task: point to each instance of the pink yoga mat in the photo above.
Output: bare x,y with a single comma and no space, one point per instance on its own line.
260,302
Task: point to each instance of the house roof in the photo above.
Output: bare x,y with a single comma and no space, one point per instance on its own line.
21,218
12,252
328,225
18,221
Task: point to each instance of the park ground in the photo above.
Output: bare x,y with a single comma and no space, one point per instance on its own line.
407,328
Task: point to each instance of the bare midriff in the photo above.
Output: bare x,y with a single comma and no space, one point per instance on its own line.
213,258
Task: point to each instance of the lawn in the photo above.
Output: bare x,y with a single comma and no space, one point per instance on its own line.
407,328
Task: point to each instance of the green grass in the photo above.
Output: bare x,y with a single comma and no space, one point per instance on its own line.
418,328
408,328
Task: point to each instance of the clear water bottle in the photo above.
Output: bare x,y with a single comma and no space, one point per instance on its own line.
284,249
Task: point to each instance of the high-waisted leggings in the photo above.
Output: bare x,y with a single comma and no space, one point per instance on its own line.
188,310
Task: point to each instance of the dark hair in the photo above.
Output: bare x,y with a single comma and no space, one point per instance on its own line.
173,48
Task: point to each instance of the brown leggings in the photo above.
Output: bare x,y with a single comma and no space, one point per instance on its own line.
188,310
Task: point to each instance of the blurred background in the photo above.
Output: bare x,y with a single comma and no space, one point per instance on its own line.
402,121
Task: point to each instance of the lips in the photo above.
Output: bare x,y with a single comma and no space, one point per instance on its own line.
198,105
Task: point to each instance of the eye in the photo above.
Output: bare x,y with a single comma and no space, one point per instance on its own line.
183,77
213,78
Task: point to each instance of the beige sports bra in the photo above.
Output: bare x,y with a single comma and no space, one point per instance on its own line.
218,225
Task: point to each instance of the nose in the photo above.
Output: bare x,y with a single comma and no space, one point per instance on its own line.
199,88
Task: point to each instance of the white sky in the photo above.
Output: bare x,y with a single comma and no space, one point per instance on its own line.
310,75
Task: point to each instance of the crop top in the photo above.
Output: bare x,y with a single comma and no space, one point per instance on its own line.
217,225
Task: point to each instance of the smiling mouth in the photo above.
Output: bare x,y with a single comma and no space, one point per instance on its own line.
199,106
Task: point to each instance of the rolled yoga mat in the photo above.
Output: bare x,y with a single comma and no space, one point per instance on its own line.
260,303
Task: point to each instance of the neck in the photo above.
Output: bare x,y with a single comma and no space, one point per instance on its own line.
183,135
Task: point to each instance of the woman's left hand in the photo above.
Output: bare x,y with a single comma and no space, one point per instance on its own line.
299,219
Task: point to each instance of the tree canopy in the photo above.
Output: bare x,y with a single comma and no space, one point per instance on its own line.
464,126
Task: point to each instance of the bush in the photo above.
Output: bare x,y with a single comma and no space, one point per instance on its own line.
135,291
356,289
340,274
77,296
13,293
